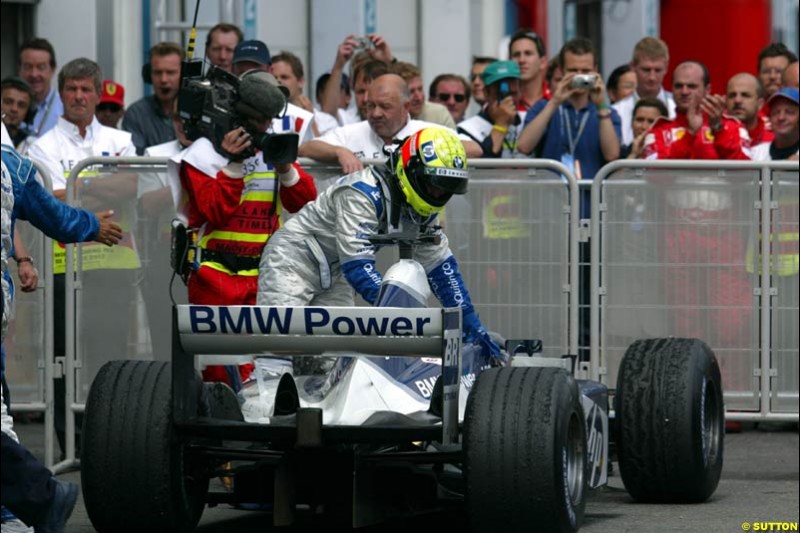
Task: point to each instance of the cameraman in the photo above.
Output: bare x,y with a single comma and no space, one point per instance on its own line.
233,200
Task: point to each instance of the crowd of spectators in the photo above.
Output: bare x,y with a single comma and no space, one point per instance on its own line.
529,106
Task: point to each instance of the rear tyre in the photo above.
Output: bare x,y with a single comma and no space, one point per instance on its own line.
670,421
134,471
525,451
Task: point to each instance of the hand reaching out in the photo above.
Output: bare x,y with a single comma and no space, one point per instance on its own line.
110,233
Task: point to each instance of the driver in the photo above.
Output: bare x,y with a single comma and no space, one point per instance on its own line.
323,254
234,201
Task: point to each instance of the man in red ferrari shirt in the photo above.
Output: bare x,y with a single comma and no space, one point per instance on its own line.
699,130
234,201
745,96
704,274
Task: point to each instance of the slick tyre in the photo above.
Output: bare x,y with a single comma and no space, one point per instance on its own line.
670,421
134,473
525,451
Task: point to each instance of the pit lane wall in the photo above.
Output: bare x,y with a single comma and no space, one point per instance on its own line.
661,266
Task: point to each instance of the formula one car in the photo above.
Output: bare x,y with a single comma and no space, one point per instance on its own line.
409,420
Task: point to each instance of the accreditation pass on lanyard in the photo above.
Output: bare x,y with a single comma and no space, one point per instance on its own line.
568,159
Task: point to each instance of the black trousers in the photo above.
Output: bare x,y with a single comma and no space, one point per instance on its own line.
28,488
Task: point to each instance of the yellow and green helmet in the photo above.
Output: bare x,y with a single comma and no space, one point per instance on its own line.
431,168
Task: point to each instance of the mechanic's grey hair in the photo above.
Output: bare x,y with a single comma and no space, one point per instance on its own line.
81,68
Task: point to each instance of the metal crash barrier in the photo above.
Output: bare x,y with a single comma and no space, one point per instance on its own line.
516,237
704,249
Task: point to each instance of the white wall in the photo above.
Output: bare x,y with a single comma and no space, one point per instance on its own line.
128,50
70,25
438,35
446,48
624,24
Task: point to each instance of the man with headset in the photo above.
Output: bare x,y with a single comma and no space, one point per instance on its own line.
148,119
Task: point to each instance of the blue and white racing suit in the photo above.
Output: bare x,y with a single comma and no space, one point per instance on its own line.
32,202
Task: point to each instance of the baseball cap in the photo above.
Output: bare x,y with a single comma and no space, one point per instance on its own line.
112,93
252,50
787,93
500,70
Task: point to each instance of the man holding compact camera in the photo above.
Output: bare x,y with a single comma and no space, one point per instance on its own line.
576,126
230,189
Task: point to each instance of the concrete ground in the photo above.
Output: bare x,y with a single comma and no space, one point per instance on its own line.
760,484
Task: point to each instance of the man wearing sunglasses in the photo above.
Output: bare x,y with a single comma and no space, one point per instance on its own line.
452,91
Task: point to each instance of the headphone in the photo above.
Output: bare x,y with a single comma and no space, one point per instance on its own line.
147,73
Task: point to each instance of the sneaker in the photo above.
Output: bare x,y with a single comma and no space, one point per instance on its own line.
15,525
63,503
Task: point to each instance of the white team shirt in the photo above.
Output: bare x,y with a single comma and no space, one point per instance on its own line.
62,147
360,139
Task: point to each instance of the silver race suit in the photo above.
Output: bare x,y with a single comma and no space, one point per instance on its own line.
323,253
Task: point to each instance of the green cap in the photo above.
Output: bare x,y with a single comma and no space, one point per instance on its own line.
500,70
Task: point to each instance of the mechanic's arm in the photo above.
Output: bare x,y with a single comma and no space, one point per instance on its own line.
329,153
297,187
56,219
356,221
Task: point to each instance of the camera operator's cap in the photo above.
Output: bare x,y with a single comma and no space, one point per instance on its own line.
112,93
787,93
500,70
252,50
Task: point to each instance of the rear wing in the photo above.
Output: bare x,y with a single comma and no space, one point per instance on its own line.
371,331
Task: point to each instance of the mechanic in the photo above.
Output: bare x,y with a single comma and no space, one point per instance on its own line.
322,254
29,489
234,202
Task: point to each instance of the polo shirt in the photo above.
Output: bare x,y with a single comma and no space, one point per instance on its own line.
148,124
555,141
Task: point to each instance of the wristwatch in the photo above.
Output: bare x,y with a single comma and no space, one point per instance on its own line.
24,259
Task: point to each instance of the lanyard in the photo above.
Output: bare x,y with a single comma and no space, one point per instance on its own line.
568,125
46,113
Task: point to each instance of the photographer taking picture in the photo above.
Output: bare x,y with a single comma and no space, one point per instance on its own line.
576,126
230,191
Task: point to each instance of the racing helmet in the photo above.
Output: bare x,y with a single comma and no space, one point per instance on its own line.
431,168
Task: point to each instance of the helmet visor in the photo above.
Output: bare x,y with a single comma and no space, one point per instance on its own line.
450,180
